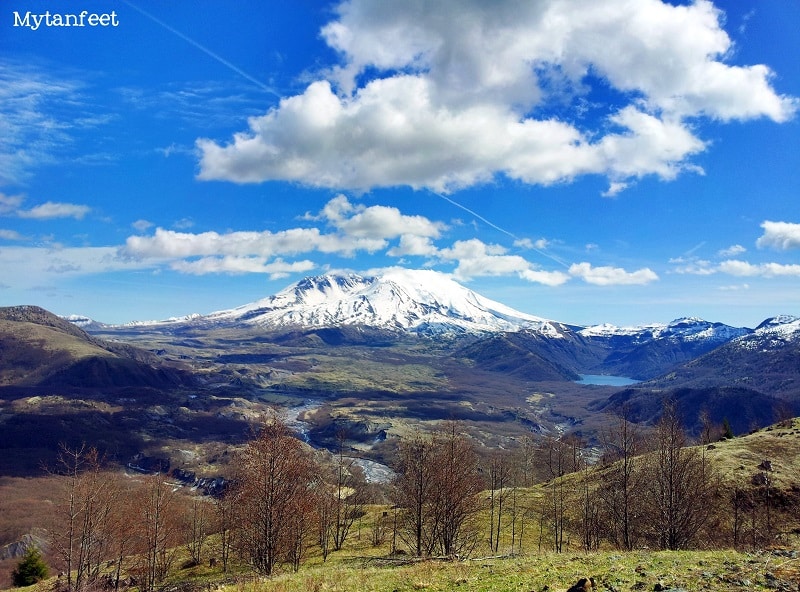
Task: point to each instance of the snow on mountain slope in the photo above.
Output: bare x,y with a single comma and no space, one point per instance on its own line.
398,299
774,333
684,329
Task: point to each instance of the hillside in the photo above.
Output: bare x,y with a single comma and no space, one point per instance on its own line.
60,385
752,380
767,360
769,455
39,349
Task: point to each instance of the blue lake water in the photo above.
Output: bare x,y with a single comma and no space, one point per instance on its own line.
606,380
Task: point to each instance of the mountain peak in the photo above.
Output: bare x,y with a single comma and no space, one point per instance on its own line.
422,301
777,322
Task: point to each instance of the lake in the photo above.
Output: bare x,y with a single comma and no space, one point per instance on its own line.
606,380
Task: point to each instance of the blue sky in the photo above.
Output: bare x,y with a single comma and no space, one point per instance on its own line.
586,162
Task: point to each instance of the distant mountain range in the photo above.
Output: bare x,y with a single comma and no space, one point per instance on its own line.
416,301
352,308
405,345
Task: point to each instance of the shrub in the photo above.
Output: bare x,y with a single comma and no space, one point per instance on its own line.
30,569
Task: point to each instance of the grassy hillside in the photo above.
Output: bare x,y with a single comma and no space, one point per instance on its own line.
37,348
699,570
364,565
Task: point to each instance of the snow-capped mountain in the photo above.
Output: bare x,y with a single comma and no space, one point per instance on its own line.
420,301
774,333
85,323
685,329
765,360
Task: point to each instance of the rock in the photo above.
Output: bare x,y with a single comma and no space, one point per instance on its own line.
583,585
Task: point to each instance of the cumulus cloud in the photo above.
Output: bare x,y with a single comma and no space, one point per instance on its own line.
236,265
449,94
413,245
611,276
735,267
780,235
767,270
51,210
11,205
474,258
693,266
172,244
377,222
355,229
548,278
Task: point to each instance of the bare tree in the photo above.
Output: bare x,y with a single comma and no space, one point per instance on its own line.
275,478
437,488
225,522
589,519
348,495
159,527
456,488
412,490
678,490
556,453
83,536
499,474
198,527
619,487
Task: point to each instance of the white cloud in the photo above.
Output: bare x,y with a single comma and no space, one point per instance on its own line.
413,245
526,243
767,270
142,225
10,235
29,267
454,87
172,244
548,278
780,235
377,222
732,251
693,266
475,258
357,229
611,276
236,265
10,203
51,209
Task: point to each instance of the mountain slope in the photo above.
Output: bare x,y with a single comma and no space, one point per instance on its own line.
647,351
766,360
38,349
752,380
419,301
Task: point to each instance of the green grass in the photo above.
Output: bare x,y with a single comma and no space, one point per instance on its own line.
612,571
696,570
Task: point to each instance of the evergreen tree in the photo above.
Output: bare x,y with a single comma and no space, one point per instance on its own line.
30,569
727,432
